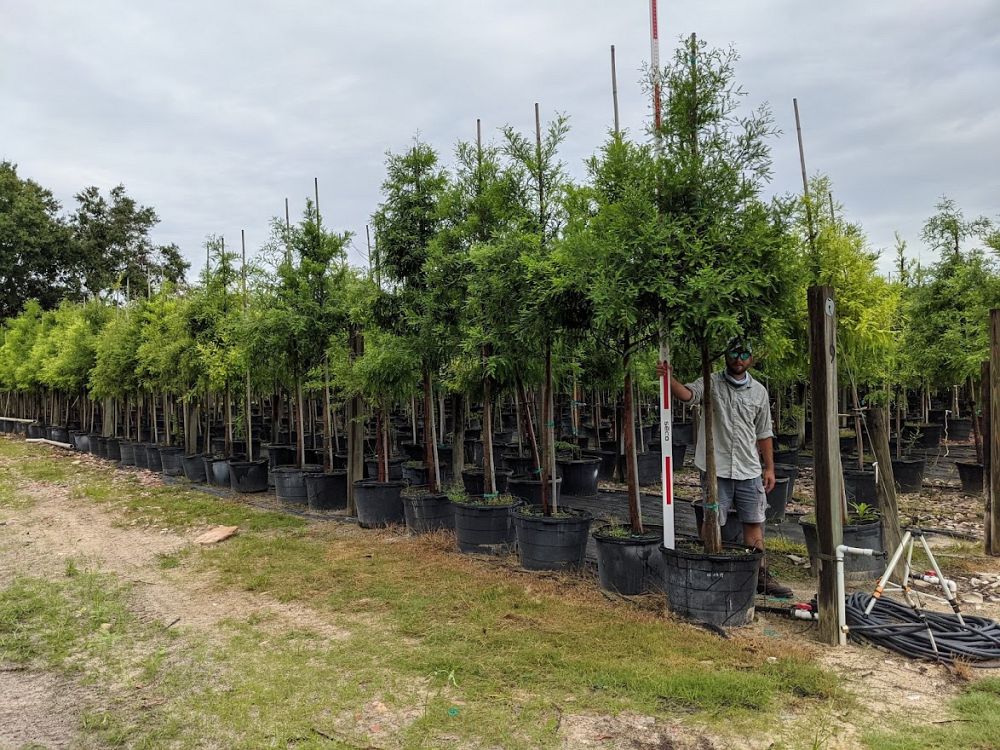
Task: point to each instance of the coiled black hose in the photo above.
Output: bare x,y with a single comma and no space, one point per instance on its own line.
897,627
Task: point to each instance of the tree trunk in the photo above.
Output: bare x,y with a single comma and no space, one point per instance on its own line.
711,533
529,427
977,434
457,436
430,449
489,472
328,430
631,462
300,424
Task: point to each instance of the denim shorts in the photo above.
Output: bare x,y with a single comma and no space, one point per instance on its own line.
747,495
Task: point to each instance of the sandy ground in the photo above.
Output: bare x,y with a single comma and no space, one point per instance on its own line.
40,707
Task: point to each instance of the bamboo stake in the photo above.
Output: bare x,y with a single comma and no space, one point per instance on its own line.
249,410
805,193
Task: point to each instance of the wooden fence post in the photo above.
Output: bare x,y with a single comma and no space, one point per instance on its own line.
826,452
987,435
992,479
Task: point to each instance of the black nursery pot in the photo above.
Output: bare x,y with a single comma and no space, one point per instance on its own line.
971,475
790,471
170,461
127,450
378,503
649,467
139,455
556,542
579,476
682,432
428,512
290,483
415,475
153,461
925,435
865,535
36,431
484,529
114,449
280,455
959,429
474,480
530,490
81,441
519,465
908,473
628,564
248,476
776,500
395,468
58,434
327,491
99,446
606,470
217,470
194,468
716,589
860,486
789,456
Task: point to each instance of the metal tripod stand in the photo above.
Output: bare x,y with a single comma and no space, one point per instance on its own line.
948,587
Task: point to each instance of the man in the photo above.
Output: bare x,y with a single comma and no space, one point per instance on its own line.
742,432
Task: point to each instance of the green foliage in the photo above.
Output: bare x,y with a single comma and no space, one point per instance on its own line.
37,257
115,363
117,253
387,372
615,245
294,316
725,271
948,310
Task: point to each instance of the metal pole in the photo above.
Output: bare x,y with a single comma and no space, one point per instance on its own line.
614,87
666,423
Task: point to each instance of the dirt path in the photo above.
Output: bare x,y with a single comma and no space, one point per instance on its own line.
40,540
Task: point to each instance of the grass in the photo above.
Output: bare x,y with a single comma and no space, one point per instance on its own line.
502,634
778,547
975,724
171,506
412,644
56,623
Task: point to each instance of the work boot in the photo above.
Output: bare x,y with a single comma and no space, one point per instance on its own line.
767,585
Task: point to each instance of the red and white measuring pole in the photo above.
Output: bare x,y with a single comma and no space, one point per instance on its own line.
666,426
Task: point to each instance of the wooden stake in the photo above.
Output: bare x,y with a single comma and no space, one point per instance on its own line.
878,421
614,87
249,427
987,458
805,193
826,452
994,434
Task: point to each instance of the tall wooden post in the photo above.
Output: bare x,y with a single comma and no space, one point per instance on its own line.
879,423
993,478
987,449
826,451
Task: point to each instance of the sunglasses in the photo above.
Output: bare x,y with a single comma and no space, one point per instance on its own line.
744,356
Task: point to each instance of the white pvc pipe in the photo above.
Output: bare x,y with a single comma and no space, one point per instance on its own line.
842,550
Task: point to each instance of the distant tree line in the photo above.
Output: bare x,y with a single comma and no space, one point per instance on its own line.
102,250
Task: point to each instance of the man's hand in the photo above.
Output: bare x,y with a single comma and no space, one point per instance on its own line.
664,368
769,480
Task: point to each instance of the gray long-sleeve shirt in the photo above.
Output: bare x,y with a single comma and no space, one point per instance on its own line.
742,417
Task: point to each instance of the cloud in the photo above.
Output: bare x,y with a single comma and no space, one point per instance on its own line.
213,113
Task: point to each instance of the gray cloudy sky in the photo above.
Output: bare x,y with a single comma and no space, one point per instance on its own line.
214,111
